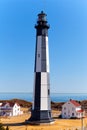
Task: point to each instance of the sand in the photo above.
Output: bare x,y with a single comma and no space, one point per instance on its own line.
17,123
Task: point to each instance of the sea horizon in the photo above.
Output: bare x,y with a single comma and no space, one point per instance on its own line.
55,97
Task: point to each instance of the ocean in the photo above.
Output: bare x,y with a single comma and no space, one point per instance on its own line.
55,97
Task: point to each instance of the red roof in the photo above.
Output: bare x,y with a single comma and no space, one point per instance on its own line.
10,104
3,104
80,111
75,103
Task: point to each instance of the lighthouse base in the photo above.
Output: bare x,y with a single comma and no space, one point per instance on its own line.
40,117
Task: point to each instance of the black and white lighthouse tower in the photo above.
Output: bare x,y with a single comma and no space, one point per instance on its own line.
41,109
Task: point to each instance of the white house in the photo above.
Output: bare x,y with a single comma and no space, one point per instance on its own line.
72,109
10,109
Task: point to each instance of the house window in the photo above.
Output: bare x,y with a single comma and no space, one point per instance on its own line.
64,108
81,114
72,114
65,113
49,114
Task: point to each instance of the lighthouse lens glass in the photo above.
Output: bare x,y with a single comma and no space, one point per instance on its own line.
42,18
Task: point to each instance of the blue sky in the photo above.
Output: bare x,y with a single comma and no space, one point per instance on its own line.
67,44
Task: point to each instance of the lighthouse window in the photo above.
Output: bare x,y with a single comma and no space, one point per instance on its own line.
72,114
38,55
49,114
48,92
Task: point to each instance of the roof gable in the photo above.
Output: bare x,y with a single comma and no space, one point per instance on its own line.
9,104
73,102
76,104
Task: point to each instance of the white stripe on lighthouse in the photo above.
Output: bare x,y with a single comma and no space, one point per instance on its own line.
43,78
44,104
38,59
47,54
44,92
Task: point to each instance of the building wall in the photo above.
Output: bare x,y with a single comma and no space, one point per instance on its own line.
12,110
69,110
16,110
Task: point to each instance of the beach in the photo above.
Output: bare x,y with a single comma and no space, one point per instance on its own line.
18,122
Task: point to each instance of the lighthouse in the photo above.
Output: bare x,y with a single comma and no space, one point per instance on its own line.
41,107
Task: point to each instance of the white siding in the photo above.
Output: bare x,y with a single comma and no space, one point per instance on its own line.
78,108
16,110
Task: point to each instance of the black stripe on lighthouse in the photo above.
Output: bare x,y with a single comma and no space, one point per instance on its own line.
37,91
43,54
35,56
